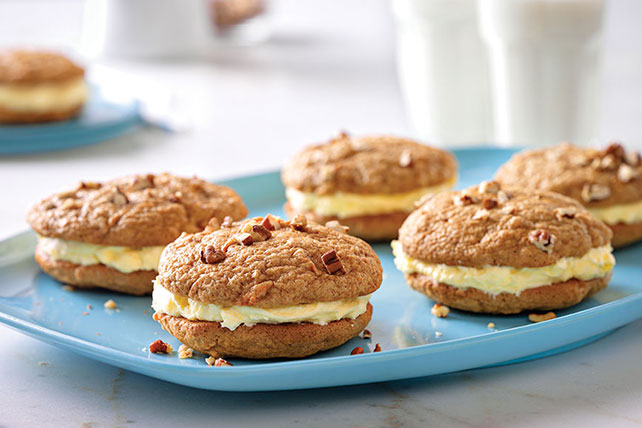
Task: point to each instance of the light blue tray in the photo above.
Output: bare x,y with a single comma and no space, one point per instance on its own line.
402,323
100,120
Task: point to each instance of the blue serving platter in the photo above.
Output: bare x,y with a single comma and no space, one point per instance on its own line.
414,342
101,119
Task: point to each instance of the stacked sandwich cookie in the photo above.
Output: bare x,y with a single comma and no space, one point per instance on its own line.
504,250
111,234
369,184
266,288
607,182
39,87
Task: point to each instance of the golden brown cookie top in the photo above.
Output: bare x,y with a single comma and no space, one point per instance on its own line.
368,165
488,225
596,178
30,67
134,211
293,263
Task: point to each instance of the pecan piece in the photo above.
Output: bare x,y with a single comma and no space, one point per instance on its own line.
377,348
595,192
405,159
260,233
356,351
542,240
615,149
217,362
299,223
92,185
565,212
332,263
482,214
489,203
366,334
625,173
211,255
464,199
488,187
541,317
632,158
439,310
119,198
141,182
185,352
227,222
336,226
160,347
503,196
245,239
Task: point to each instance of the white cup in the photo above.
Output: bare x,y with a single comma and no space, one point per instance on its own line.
545,60
443,70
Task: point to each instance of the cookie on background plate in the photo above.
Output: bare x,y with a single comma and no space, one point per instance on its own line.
369,184
607,182
266,288
37,86
491,249
111,234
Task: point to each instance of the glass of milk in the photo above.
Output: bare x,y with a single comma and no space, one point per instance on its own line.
545,58
443,70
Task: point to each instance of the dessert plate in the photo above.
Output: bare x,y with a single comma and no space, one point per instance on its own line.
414,342
101,119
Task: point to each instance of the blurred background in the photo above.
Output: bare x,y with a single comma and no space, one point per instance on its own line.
225,90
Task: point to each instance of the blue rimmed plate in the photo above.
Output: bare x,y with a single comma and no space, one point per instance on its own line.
101,119
414,342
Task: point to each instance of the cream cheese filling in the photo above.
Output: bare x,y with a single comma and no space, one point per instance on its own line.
123,259
43,97
343,204
231,317
596,263
622,213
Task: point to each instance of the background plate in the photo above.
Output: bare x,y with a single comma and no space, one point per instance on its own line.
414,342
100,120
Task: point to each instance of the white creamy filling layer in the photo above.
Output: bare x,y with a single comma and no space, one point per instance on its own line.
596,263
343,205
322,313
622,213
123,259
43,97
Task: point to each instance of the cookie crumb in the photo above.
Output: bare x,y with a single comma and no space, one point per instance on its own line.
110,304
97,334
84,314
366,334
160,347
144,349
185,352
438,334
68,288
89,307
491,325
356,351
439,310
377,348
541,317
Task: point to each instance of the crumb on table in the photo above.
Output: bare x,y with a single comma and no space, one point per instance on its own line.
110,304
440,311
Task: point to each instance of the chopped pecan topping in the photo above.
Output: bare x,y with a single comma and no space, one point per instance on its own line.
176,197
70,203
439,310
595,192
503,196
608,163
229,243
565,212
625,173
143,182
615,149
377,348
119,198
227,222
482,214
211,255
541,317
332,263
90,185
185,352
356,351
160,347
299,223
245,239
336,226
542,240
260,233
488,187
366,334
405,159
632,158
489,203
212,225
464,199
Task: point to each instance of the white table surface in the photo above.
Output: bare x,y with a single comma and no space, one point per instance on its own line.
329,66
